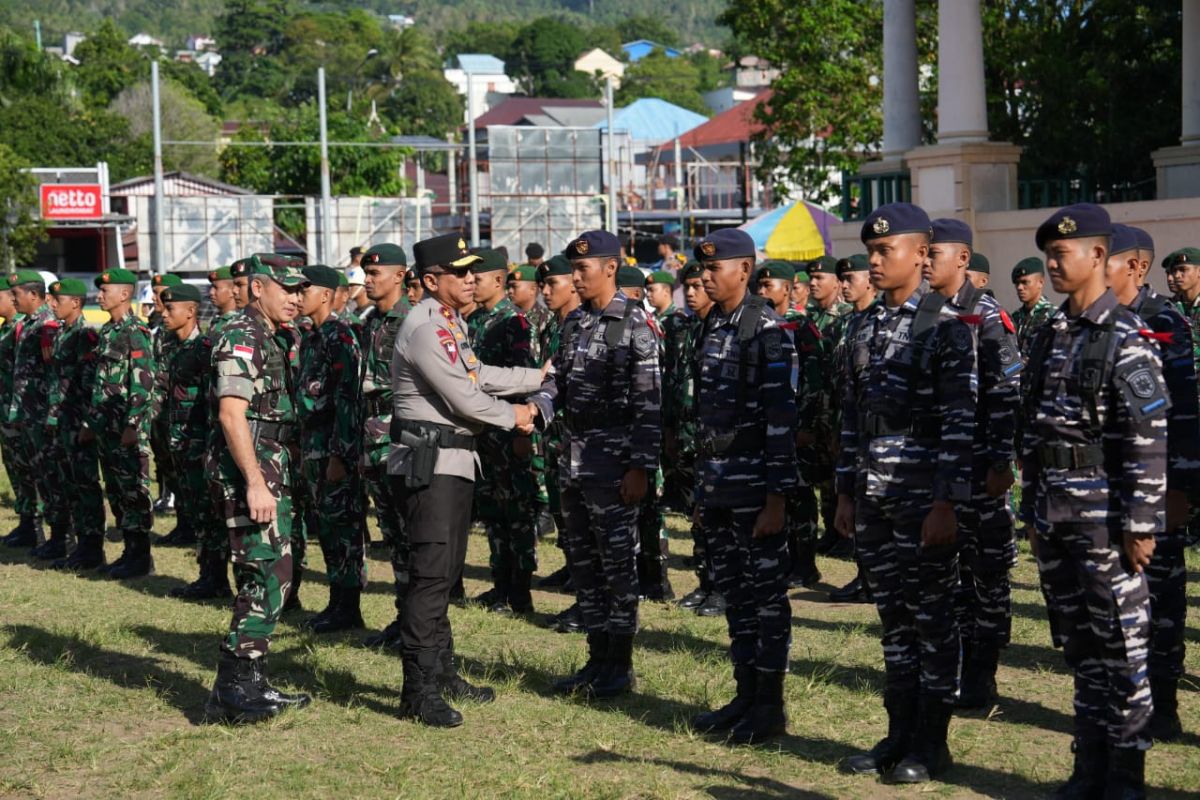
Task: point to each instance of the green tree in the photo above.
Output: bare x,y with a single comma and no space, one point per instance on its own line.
675,80
26,71
339,42
250,36
490,38
651,28
44,133
247,161
21,226
542,60
195,80
424,103
184,118
825,110
107,65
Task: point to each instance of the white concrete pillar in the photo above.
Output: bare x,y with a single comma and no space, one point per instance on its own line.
962,99
1191,73
901,103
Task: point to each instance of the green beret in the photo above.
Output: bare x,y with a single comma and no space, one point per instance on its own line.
386,254
630,278
1028,266
490,260
343,281
23,276
169,279
555,265
776,269
68,287
183,293
854,263
220,274
321,275
979,263
119,276
823,264
412,276
524,272
1184,256
690,270
660,276
801,277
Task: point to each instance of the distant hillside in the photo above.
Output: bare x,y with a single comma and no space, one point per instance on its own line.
174,21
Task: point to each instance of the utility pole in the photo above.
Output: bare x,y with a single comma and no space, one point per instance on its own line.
160,253
612,158
326,238
472,167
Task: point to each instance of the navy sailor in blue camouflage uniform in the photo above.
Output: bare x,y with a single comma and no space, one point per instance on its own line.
986,542
746,378
1167,574
1094,476
606,382
903,474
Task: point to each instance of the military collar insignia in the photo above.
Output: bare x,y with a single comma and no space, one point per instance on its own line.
881,225
708,248
1067,226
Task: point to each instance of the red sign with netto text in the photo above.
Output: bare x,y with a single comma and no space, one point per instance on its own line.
72,201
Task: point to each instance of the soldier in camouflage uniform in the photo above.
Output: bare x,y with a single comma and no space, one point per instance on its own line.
118,420
679,433
70,375
16,462
26,410
1029,279
903,471
671,321
606,382
330,407
523,291
257,417
385,266
1183,269
746,382
1166,575
1094,474
987,544
166,476
506,492
774,279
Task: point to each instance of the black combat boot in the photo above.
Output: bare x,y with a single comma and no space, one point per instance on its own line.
856,591
236,697
335,593
182,535
728,715
713,606
519,598
693,599
26,534
978,689
88,554
544,524
389,638
657,584
213,583
420,699
929,755
616,676
1126,774
292,603
136,561
1091,768
597,642
269,692
1165,725
165,504
766,716
804,565
54,547
569,621
456,687
344,612
889,751
556,579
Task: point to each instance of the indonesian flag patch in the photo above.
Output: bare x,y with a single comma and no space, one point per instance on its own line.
243,351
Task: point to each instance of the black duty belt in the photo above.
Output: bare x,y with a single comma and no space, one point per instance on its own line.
579,421
447,437
379,404
901,425
282,432
1070,456
747,441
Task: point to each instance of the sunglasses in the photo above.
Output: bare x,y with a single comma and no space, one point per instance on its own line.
458,272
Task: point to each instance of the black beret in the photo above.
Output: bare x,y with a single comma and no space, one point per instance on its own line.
447,250
979,263
726,243
387,255
1028,266
692,269
854,263
823,264
183,293
594,244
490,260
630,278
321,275
947,230
893,219
554,265
1078,221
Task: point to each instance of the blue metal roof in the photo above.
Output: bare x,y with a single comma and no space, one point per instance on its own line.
480,64
641,48
653,120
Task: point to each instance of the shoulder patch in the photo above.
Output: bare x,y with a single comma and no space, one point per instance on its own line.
643,342
772,344
1141,383
960,337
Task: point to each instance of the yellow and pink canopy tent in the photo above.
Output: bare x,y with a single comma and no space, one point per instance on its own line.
797,231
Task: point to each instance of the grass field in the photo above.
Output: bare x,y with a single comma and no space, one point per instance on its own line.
102,686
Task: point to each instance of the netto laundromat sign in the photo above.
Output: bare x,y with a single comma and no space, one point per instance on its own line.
72,201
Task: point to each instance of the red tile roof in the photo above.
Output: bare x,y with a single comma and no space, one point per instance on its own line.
729,127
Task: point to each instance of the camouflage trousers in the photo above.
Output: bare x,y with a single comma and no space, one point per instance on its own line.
20,472
262,569
552,445
801,522
391,523
1100,616
126,481
302,515
166,474
44,452
652,533
337,519
211,532
752,575
538,466
1166,579
76,476
913,589
987,550
506,503
601,545
701,563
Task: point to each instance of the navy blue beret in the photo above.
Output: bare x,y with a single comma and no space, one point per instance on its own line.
594,244
1028,266
949,230
893,219
1078,221
1145,240
726,243
1123,238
